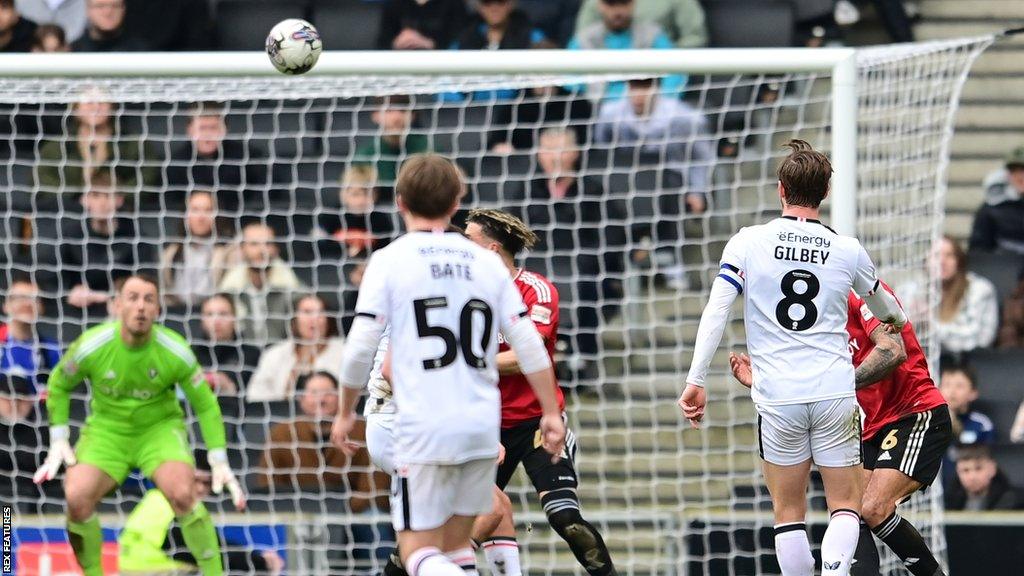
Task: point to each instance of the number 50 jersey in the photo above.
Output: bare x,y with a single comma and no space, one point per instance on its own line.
446,299
795,275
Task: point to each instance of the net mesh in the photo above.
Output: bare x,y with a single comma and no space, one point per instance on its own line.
632,217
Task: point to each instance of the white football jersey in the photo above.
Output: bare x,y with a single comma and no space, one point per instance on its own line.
446,300
794,275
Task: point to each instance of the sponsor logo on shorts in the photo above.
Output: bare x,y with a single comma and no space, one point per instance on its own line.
153,373
830,565
885,456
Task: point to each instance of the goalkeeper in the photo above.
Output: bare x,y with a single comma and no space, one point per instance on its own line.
135,421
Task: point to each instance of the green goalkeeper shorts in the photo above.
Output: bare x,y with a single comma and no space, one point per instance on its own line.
118,454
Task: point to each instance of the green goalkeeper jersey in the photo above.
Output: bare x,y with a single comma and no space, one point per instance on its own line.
133,388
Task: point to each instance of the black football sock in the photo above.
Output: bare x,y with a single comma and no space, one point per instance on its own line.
906,542
865,559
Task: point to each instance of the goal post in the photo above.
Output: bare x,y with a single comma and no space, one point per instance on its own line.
628,252
840,63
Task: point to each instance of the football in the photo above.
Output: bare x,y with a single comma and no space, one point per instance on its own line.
294,46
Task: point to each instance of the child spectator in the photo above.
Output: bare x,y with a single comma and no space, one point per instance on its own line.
360,227
960,389
395,142
314,345
619,30
420,24
980,484
49,38
262,285
16,31
193,266
300,456
228,361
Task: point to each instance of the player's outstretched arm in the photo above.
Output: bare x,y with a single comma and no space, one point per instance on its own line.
204,404
888,353
66,376
357,361
709,334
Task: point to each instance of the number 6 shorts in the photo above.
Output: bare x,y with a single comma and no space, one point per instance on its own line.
826,431
914,444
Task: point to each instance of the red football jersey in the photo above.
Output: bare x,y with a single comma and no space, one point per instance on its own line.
518,403
907,390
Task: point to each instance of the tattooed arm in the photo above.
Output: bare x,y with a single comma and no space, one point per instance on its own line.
887,354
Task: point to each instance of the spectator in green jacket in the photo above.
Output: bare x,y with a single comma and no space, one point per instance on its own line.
94,140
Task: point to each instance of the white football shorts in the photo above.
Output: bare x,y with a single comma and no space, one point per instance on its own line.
827,431
425,496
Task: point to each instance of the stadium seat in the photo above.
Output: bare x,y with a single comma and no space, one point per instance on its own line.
1000,388
1003,269
1011,461
347,24
749,24
244,24
804,10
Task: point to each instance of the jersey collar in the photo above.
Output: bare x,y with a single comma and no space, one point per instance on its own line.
799,219
811,220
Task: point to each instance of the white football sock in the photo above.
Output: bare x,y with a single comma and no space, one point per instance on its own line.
502,554
840,542
793,550
465,559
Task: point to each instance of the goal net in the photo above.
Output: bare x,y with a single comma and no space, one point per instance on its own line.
105,174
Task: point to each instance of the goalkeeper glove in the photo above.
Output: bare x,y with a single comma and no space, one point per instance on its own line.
223,476
60,453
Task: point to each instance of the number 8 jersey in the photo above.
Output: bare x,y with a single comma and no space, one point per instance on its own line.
795,275
446,300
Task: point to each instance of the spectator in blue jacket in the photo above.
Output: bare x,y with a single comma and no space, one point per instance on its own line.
665,127
959,386
497,25
618,30
26,357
